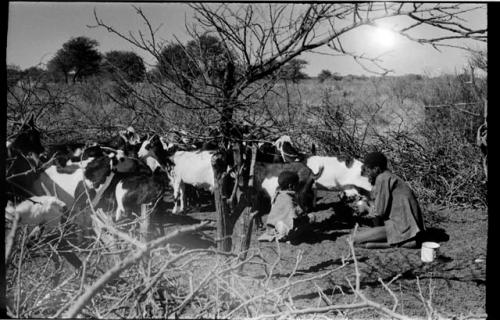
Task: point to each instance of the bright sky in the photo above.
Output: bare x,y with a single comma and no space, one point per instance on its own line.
36,30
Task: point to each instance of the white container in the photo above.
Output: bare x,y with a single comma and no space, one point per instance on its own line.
429,251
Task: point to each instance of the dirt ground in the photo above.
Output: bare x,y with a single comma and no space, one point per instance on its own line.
454,282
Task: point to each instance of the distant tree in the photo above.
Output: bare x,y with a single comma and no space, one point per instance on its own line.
125,64
209,51
479,59
14,74
174,65
337,76
293,70
35,73
78,56
13,68
183,64
84,56
414,77
324,75
154,75
59,65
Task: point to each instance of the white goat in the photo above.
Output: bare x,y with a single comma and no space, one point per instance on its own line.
42,212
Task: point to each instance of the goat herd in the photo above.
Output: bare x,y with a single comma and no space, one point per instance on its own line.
45,184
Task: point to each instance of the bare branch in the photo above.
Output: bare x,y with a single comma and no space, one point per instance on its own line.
119,268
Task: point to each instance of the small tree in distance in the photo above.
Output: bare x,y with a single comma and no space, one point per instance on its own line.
60,65
184,64
337,76
14,73
293,70
324,75
127,65
78,55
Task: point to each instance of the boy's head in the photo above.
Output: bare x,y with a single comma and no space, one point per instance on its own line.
374,164
288,180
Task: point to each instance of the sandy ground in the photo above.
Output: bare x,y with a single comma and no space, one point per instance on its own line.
455,281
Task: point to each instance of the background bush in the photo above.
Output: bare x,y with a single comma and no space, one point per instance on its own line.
426,126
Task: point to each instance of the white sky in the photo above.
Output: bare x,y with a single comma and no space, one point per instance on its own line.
36,30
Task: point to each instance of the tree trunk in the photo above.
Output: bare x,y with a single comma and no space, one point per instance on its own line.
224,207
234,208
242,233
219,165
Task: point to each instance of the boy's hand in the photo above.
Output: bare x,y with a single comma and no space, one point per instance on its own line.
362,207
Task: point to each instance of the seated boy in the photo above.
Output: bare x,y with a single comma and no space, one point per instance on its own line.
395,217
286,215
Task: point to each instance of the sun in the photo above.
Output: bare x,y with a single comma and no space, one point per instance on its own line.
384,37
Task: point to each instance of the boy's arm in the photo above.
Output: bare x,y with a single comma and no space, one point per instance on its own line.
380,209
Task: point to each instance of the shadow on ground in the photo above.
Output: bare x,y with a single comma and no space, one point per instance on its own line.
435,235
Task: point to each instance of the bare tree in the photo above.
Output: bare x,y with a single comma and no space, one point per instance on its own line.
259,40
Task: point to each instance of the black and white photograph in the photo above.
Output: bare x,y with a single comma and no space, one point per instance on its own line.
246,160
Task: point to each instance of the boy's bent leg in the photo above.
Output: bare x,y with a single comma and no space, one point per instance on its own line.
375,234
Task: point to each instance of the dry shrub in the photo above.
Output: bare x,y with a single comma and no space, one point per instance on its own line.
415,120
432,147
441,170
32,290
